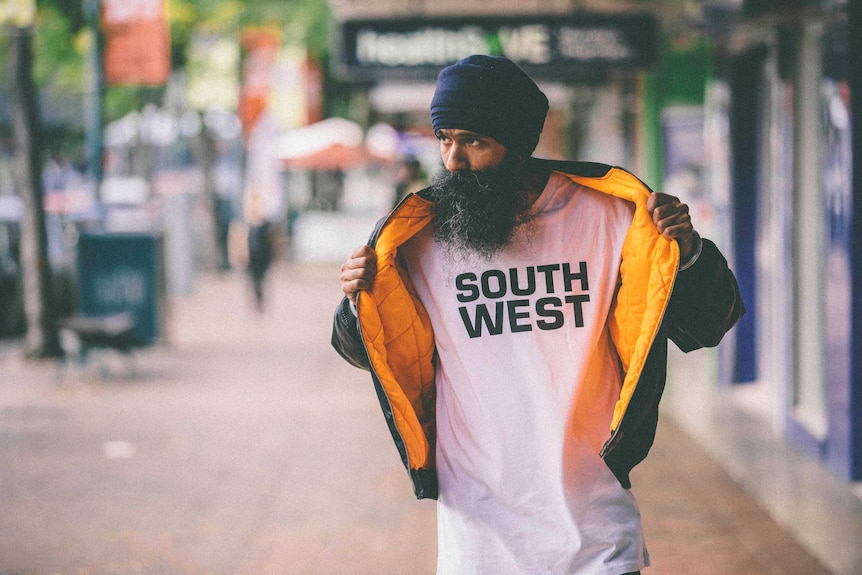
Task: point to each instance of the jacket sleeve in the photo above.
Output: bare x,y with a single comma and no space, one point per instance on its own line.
705,302
346,338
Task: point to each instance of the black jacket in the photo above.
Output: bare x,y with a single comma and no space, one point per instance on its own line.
393,339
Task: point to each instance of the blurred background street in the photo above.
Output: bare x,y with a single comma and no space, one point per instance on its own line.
183,178
245,445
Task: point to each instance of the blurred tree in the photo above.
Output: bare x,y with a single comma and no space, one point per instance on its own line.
59,24
42,337
304,22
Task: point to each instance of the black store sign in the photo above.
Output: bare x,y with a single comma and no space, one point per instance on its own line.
547,46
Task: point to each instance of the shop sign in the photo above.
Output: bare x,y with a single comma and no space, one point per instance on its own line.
579,44
137,42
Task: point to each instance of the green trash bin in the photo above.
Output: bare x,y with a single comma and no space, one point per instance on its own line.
123,273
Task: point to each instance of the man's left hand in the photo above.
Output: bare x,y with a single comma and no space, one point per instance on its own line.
673,221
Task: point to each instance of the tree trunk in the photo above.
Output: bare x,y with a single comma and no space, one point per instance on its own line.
41,339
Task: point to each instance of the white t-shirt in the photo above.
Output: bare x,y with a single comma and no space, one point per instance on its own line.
527,379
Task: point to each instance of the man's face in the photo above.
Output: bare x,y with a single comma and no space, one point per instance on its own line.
465,150
479,197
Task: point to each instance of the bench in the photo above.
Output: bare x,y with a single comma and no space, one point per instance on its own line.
113,331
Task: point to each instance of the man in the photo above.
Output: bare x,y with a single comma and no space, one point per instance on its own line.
514,317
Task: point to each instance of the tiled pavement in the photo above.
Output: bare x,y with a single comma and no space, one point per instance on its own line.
244,445
698,521
821,511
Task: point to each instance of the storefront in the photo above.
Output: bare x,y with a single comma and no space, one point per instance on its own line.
783,93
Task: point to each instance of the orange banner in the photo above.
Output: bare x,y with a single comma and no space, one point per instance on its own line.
260,47
137,42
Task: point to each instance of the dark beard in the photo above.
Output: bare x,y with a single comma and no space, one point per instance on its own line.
478,212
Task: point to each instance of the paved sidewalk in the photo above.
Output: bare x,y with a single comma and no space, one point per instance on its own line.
245,445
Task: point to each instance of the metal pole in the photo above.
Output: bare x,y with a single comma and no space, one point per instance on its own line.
93,99
854,54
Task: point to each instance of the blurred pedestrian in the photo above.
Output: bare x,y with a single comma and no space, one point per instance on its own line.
227,179
515,317
260,249
411,178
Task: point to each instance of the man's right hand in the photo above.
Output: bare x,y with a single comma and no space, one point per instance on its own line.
358,272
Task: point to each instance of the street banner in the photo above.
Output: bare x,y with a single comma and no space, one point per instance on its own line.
18,13
296,99
212,70
260,52
137,42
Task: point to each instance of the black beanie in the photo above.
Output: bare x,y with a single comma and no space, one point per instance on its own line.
491,96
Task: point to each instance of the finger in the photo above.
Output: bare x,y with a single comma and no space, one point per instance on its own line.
365,251
360,263
670,206
358,272
351,288
657,199
678,231
675,229
670,214
355,279
362,258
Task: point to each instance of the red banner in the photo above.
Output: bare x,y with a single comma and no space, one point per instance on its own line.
137,42
260,47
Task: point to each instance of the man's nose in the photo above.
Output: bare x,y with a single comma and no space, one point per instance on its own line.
455,159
